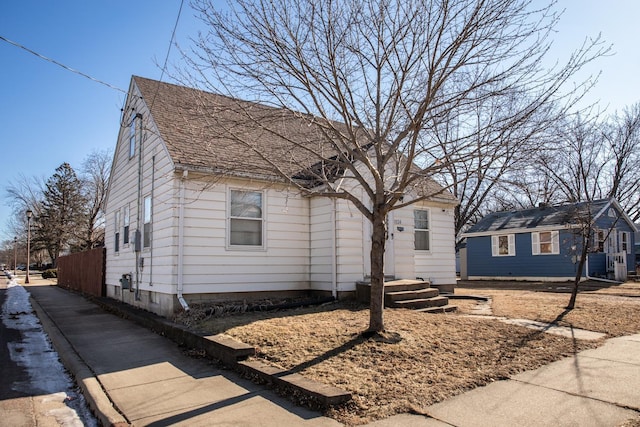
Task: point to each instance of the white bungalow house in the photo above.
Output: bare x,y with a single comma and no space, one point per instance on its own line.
191,217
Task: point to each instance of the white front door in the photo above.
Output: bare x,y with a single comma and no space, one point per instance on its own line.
389,258
389,251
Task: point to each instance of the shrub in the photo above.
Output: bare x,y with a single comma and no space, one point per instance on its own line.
52,273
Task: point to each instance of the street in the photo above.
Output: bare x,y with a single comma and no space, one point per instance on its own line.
35,389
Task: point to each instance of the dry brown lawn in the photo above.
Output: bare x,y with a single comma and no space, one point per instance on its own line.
423,358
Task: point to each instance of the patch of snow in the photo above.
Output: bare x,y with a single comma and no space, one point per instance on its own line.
49,379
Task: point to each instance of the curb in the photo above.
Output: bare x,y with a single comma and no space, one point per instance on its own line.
98,401
231,352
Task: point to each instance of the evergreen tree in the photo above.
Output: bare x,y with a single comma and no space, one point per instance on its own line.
59,225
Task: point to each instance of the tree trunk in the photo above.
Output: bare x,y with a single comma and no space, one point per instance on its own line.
584,252
378,240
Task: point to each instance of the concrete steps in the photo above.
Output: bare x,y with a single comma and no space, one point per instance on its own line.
419,303
409,294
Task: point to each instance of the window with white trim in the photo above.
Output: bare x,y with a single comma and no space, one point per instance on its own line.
132,137
599,238
545,243
422,239
503,245
117,229
246,218
125,229
146,228
625,237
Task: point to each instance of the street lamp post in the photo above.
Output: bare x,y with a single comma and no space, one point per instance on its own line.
15,255
29,214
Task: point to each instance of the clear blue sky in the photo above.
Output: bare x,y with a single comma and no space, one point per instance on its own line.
49,115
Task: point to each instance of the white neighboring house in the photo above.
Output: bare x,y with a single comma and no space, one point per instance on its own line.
193,217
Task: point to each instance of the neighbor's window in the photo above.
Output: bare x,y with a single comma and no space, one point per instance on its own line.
545,242
245,218
125,231
421,230
146,239
132,137
624,241
600,237
117,228
503,245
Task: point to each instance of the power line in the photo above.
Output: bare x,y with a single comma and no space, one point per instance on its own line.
166,58
61,65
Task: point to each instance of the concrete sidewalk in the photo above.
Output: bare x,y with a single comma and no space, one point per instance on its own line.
147,378
595,388
151,382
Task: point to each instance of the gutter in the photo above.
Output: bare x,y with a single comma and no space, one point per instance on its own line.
181,299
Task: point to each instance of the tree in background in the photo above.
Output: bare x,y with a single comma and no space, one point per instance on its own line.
621,137
63,211
377,79
31,193
94,176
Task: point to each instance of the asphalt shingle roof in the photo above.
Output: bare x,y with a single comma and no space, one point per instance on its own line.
538,217
230,136
206,130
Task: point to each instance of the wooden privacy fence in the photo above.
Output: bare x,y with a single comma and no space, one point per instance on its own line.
83,272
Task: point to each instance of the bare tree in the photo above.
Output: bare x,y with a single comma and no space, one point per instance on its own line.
502,147
375,79
621,135
95,178
22,194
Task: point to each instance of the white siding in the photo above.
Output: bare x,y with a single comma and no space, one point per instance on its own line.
321,242
350,246
298,251
210,266
439,264
158,272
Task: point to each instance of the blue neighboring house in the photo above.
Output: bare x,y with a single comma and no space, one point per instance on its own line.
544,243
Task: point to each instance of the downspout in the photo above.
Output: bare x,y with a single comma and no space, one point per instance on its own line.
153,182
334,251
181,299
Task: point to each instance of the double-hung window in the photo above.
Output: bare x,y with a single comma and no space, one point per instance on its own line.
146,229
117,231
421,230
132,137
545,243
246,218
125,230
503,245
624,241
599,238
